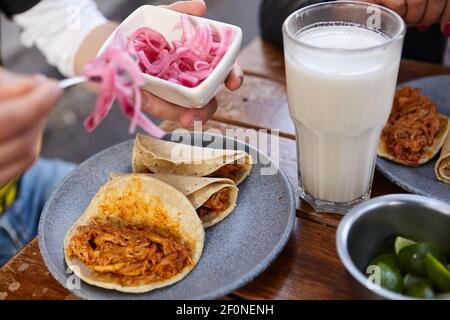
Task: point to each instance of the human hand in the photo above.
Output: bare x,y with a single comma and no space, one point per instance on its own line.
25,103
421,13
185,116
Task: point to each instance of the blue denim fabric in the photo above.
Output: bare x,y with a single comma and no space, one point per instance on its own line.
19,223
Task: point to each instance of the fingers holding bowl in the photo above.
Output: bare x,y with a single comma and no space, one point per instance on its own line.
165,110
415,11
235,78
193,7
198,114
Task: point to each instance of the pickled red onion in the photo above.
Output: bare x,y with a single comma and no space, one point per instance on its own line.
187,61
120,79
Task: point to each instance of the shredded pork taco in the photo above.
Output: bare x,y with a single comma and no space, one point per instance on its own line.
443,164
415,131
137,234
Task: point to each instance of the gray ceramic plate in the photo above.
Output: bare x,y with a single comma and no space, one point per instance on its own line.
236,250
422,180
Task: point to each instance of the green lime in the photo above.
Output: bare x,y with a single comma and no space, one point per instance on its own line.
410,280
437,272
401,243
385,271
387,258
411,257
421,290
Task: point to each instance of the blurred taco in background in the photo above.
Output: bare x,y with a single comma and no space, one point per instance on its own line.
415,131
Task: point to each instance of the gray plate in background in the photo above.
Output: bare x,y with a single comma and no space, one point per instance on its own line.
422,180
236,250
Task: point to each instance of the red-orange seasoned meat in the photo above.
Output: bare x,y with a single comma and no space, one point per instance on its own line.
129,254
412,126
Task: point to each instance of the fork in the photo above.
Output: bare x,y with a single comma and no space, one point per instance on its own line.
73,81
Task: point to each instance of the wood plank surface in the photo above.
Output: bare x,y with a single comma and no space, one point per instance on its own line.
26,277
262,100
261,59
411,69
288,162
308,268
310,243
259,103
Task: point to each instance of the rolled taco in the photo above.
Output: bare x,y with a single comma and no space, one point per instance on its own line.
151,155
213,198
442,167
415,131
137,234
428,151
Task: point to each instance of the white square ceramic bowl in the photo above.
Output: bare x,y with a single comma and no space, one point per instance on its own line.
163,20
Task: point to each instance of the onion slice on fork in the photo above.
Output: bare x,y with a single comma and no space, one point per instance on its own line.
120,79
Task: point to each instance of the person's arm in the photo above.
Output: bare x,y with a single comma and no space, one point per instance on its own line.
70,44
429,22
419,45
25,102
421,13
153,105
92,43
58,28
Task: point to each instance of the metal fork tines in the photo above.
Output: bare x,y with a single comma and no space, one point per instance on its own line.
63,84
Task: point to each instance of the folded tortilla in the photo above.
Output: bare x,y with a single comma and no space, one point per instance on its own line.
442,167
137,234
151,155
429,151
213,198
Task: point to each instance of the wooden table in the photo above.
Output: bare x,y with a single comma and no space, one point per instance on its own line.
308,268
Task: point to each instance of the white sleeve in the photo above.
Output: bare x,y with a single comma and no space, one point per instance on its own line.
57,28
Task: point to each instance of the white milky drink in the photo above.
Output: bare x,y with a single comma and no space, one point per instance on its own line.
339,102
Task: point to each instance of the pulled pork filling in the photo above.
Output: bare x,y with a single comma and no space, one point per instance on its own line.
216,203
230,171
129,255
412,126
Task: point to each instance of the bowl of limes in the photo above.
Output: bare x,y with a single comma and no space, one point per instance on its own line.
397,247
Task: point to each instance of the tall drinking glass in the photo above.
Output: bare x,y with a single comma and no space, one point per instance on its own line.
342,61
